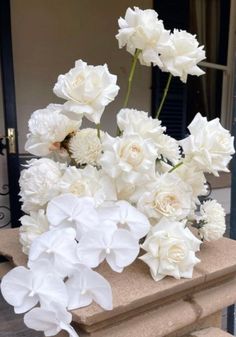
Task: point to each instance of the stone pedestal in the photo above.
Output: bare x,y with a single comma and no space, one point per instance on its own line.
145,308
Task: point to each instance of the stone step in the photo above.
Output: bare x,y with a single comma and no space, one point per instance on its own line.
210,332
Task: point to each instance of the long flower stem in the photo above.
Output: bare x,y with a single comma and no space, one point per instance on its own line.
131,76
98,130
164,96
176,166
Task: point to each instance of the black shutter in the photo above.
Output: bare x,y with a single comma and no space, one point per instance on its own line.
175,14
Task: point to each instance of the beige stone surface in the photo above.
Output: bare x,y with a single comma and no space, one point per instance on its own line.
145,308
210,332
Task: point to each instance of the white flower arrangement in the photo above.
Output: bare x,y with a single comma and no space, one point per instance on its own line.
106,193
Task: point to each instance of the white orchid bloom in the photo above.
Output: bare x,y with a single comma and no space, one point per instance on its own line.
118,247
70,211
85,286
51,320
124,215
24,288
59,247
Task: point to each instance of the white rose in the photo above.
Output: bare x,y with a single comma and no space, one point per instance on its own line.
182,54
85,147
213,219
48,128
39,183
88,182
87,89
168,197
33,225
209,146
170,250
141,29
131,158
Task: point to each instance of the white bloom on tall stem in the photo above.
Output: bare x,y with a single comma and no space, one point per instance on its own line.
213,221
182,54
39,183
170,250
209,146
168,197
32,226
88,182
48,128
131,157
85,147
88,90
141,30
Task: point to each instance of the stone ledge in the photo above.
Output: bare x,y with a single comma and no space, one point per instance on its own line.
210,332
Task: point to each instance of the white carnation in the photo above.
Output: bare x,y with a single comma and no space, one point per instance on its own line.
213,219
141,29
88,182
88,90
39,183
130,157
167,197
209,146
48,128
170,250
33,225
182,54
168,148
85,147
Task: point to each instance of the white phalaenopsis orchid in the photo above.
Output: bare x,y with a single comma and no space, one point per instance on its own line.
57,246
124,215
84,286
51,320
39,284
117,246
70,211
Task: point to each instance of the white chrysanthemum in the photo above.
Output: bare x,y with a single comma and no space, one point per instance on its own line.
88,90
33,225
85,147
170,250
182,54
213,218
209,146
88,182
39,183
168,197
48,128
141,29
129,157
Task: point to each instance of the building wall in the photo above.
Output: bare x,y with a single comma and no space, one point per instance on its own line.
48,36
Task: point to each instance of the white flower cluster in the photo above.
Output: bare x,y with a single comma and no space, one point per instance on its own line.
94,196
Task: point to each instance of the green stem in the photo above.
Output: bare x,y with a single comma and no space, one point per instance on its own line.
98,130
176,166
131,75
164,96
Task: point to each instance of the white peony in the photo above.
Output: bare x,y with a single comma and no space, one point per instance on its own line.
130,157
33,225
141,29
85,147
88,90
213,220
209,146
182,54
88,182
39,183
170,250
167,197
48,128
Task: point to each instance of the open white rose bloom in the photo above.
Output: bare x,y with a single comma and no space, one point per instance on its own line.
98,198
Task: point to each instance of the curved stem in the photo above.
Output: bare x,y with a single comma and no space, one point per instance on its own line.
98,130
131,75
176,166
164,96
